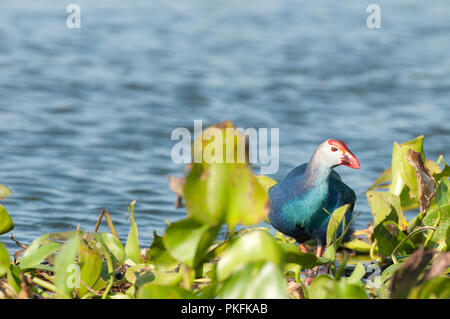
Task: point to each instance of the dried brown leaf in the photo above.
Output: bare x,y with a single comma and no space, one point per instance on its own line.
439,265
425,181
405,278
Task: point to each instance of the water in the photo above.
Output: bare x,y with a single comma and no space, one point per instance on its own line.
86,115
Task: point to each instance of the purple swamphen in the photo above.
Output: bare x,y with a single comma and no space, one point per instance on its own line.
299,201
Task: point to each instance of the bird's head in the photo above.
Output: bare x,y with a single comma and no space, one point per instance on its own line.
333,153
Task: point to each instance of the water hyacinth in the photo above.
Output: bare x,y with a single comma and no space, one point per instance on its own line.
394,258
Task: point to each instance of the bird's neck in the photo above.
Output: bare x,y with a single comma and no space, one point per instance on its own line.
316,174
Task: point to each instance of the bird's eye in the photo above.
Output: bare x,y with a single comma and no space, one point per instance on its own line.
333,149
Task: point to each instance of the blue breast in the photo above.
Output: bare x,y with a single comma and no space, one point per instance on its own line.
297,204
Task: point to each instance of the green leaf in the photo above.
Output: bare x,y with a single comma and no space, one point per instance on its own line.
436,288
389,221
402,172
407,202
139,275
320,286
220,143
438,215
38,250
4,192
333,224
332,230
167,278
389,271
357,274
115,248
225,193
432,166
324,287
188,240
6,223
159,256
4,260
257,280
65,258
251,247
90,262
132,246
152,291
385,206
294,255
389,236
358,245
13,275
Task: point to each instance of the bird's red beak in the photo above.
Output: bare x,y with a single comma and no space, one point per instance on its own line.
350,160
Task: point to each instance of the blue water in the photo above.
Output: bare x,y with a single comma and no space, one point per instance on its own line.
86,114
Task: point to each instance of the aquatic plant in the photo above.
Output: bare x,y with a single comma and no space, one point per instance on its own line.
393,258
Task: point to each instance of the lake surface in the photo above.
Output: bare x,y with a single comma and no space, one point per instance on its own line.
86,114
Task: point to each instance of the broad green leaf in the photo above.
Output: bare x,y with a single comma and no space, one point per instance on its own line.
225,193
407,202
159,256
402,172
324,287
90,262
167,278
358,245
257,280
357,274
115,248
38,250
4,260
436,288
385,206
220,143
389,236
389,271
333,242
438,215
132,246
333,224
319,287
188,240
443,192
66,277
13,275
6,223
152,291
139,275
4,192
387,214
432,166
294,255
251,247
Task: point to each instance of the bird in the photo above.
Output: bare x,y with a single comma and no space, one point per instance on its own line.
301,203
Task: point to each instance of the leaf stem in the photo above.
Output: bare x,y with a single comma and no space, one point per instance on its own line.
44,284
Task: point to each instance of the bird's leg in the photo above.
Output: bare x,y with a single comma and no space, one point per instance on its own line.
319,250
303,248
315,270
